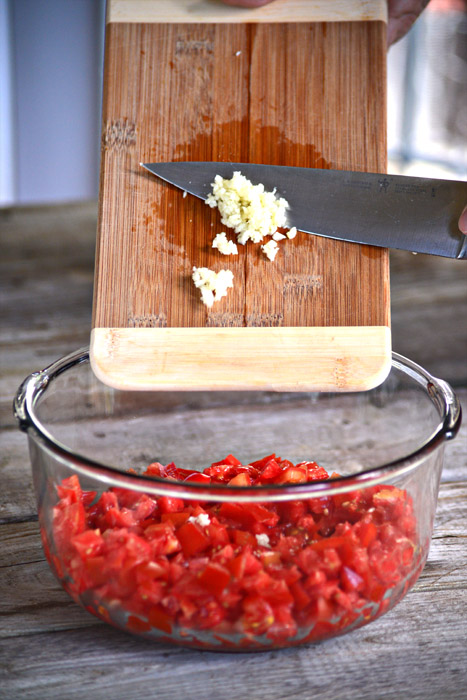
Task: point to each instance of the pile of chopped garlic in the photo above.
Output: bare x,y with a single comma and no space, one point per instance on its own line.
253,214
248,209
213,285
223,245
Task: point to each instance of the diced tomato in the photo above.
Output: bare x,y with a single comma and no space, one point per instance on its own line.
301,597
230,460
149,571
291,511
127,498
167,504
388,496
261,464
88,543
262,514
307,560
144,507
170,471
87,498
292,475
224,555
93,570
192,539
114,517
245,564
284,625
278,593
162,538
215,578
270,558
223,473
70,490
351,580
198,478
151,592
343,599
314,471
69,520
328,542
243,537
241,479
209,616
160,619
155,469
271,470
176,519
247,514
321,609
316,579
257,616
330,561
235,512
136,624
366,531
218,535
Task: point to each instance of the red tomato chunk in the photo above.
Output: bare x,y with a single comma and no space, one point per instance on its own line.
262,573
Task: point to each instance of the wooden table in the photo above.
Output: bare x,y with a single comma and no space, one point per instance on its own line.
50,648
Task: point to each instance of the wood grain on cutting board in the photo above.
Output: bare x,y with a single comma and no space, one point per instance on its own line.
302,93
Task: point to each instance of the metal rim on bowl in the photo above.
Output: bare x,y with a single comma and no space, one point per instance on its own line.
33,387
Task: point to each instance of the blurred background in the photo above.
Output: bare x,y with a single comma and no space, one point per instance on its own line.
51,55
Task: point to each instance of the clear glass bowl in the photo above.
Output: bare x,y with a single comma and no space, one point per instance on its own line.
198,561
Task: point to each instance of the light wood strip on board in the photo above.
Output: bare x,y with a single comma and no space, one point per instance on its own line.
273,359
278,11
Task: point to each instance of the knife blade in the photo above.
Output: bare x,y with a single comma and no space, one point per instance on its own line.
391,211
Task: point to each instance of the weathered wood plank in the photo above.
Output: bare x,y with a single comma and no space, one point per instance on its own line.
17,500
40,603
46,274
451,518
20,543
395,657
429,307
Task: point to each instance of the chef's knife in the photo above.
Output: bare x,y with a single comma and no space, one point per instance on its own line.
391,211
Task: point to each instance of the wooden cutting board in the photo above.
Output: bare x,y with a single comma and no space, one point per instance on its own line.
296,82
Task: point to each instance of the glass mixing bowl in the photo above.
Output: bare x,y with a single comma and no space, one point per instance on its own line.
316,519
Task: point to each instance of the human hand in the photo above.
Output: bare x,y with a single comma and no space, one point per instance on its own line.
401,14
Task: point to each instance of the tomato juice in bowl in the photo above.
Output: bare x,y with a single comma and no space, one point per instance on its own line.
236,520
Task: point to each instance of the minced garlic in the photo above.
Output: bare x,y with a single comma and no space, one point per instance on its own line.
202,519
263,540
248,209
278,236
270,249
292,232
212,285
223,245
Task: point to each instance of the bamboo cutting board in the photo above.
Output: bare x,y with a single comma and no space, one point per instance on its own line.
296,82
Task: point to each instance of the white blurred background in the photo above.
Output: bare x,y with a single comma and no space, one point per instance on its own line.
51,54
